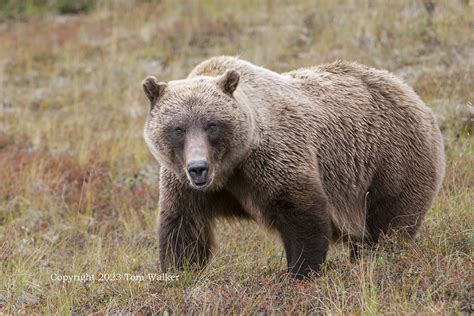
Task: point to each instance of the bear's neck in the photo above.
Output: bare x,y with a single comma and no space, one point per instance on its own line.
261,94
254,117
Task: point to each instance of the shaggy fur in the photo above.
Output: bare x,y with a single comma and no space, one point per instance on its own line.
317,154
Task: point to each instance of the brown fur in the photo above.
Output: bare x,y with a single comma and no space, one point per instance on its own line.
334,151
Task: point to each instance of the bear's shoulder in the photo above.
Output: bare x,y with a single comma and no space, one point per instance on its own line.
216,66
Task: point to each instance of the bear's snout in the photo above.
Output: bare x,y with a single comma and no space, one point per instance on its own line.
198,171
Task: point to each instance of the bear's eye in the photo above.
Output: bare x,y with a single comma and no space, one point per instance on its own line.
212,128
178,132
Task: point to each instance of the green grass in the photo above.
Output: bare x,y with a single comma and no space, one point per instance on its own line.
78,188
21,9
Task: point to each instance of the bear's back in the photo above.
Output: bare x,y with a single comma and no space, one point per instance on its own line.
370,126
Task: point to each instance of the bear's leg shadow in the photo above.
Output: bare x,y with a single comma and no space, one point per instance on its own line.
305,232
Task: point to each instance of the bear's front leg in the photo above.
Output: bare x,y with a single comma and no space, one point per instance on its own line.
184,226
305,230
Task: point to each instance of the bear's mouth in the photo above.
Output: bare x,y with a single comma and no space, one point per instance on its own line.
201,185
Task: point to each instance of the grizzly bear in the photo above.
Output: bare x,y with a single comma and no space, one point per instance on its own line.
334,152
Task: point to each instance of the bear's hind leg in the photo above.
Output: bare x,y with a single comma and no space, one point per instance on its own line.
401,215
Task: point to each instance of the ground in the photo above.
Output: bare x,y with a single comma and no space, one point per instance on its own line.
78,187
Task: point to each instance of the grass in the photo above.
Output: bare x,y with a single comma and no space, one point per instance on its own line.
78,188
21,9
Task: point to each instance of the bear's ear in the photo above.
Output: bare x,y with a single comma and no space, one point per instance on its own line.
153,89
228,81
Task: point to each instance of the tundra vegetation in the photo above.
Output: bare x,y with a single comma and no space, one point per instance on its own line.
78,187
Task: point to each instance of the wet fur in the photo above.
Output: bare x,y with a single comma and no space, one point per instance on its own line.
337,151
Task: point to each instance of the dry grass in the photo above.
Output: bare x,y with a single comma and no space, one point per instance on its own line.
78,188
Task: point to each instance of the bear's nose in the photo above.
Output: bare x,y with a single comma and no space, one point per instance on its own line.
198,171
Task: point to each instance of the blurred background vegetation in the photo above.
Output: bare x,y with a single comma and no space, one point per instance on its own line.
16,9
78,188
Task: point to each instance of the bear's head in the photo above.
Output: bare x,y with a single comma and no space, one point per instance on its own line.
200,128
